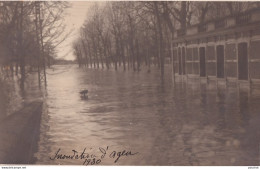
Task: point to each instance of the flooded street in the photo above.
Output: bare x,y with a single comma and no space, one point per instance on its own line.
90,83
189,123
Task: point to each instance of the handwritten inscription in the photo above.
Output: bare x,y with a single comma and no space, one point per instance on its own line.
119,154
91,158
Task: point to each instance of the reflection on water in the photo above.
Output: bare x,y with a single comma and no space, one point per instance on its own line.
191,123
12,98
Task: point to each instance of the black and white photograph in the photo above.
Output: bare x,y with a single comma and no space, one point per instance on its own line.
129,83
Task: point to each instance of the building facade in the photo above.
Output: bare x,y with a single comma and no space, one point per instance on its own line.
227,48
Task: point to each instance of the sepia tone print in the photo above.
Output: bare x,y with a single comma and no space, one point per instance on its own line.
130,83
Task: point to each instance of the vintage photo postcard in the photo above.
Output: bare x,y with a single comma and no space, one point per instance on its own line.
130,83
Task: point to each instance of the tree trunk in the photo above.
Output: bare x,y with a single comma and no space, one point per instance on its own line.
183,14
156,57
117,53
89,55
122,53
128,57
138,56
85,53
100,53
161,46
21,55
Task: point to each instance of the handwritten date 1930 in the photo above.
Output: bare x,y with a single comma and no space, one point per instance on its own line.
92,159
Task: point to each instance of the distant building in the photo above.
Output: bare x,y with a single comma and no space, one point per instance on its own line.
227,48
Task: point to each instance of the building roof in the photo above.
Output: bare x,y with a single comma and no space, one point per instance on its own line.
246,21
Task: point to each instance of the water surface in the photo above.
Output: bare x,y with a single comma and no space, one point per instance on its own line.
189,123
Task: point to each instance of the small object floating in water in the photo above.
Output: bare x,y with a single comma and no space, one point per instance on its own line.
83,92
83,97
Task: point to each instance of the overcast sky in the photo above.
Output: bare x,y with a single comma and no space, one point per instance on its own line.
74,20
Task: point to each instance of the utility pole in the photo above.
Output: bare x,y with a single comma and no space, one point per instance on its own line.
39,38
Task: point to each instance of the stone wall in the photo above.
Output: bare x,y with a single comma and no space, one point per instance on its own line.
254,64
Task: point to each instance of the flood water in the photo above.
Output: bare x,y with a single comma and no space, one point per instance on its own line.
188,123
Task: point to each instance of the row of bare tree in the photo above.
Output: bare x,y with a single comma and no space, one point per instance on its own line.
131,34
29,30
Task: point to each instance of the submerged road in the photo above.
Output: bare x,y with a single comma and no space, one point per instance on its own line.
191,123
